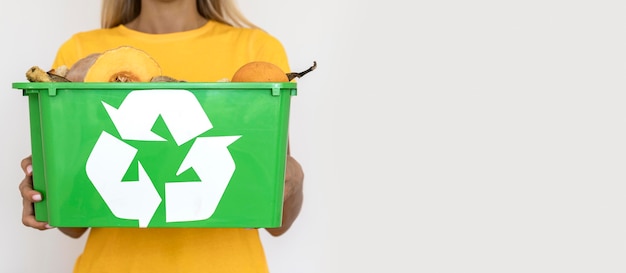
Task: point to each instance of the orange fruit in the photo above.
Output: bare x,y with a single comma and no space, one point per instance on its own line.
259,71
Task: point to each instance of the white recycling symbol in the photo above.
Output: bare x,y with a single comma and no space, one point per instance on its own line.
138,200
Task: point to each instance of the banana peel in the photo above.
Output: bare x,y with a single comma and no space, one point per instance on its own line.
36,74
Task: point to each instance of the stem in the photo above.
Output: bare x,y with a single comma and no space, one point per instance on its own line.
293,75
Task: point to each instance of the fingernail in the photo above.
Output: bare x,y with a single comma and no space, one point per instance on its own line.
49,226
37,197
29,169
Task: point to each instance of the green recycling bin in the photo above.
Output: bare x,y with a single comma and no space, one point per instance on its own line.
180,154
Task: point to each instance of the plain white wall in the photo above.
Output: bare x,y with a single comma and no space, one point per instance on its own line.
32,33
438,136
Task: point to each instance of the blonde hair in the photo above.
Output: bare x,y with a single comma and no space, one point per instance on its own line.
118,12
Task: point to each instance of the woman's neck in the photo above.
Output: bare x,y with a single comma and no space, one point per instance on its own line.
160,17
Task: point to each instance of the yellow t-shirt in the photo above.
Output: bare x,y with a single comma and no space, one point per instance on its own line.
210,53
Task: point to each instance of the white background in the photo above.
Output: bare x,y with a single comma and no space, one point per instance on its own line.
436,136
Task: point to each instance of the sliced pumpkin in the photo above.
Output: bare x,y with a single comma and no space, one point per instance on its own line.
123,64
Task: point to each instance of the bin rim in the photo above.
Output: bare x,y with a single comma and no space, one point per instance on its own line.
153,85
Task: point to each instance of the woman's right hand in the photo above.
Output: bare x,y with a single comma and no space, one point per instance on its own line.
29,197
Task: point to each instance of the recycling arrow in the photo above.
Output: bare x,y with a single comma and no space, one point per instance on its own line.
179,109
213,163
106,166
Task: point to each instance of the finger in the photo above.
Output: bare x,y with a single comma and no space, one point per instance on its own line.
27,191
28,217
32,196
27,165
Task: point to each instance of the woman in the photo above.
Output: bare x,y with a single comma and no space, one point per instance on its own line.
193,40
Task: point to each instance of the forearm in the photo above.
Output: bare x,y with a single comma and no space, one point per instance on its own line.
293,196
73,232
291,209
